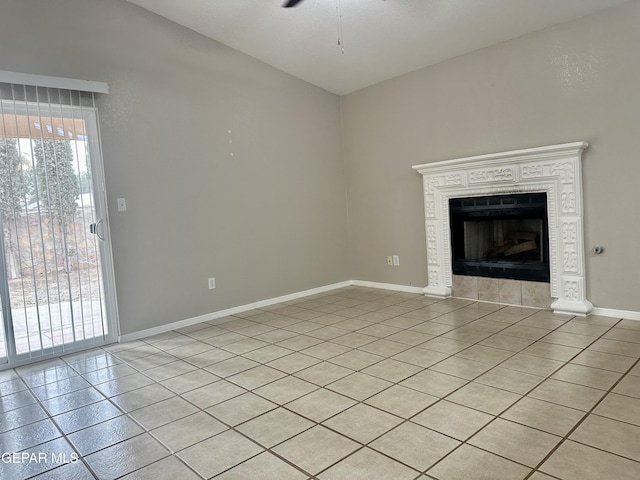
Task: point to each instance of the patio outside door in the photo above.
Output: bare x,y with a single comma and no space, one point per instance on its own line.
56,275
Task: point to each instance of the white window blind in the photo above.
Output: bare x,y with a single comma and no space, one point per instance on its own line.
53,292
53,82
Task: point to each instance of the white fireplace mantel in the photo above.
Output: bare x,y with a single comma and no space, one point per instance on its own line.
555,170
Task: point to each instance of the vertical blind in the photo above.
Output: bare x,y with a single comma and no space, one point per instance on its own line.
53,293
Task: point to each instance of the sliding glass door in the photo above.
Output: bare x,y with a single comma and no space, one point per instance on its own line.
3,346
56,277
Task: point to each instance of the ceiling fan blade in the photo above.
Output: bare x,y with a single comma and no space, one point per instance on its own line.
291,3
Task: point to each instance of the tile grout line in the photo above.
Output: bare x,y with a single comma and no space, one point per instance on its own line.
565,438
394,383
535,469
522,395
280,406
362,446
469,381
328,359
62,433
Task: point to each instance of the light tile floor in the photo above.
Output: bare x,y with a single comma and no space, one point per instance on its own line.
353,384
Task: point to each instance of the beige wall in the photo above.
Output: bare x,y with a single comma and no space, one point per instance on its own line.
272,219
268,221
573,82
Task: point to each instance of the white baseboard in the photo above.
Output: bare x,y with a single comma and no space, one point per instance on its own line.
611,312
605,312
229,311
388,286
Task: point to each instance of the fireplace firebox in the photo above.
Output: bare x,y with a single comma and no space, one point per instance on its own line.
501,236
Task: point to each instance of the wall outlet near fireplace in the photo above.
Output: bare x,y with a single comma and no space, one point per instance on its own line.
396,260
390,260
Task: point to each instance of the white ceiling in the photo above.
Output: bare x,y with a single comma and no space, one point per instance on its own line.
381,38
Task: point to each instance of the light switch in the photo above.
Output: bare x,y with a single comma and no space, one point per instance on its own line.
122,205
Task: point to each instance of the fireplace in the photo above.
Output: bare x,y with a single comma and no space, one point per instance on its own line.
556,172
500,236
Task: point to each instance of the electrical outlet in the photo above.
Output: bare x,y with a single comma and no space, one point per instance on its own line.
396,260
212,283
390,260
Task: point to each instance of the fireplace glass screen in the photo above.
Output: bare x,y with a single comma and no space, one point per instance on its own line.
503,236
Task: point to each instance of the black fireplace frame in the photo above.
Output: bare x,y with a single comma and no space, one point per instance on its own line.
508,206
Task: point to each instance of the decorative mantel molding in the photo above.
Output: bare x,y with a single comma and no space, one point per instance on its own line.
555,170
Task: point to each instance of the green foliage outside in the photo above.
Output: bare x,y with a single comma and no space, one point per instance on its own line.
13,187
55,175
53,183
13,191
58,187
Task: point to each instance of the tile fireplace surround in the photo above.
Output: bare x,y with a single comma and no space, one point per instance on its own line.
555,170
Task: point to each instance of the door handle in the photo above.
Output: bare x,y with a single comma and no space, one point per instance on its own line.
94,228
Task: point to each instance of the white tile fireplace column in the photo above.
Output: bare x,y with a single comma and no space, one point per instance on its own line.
555,170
